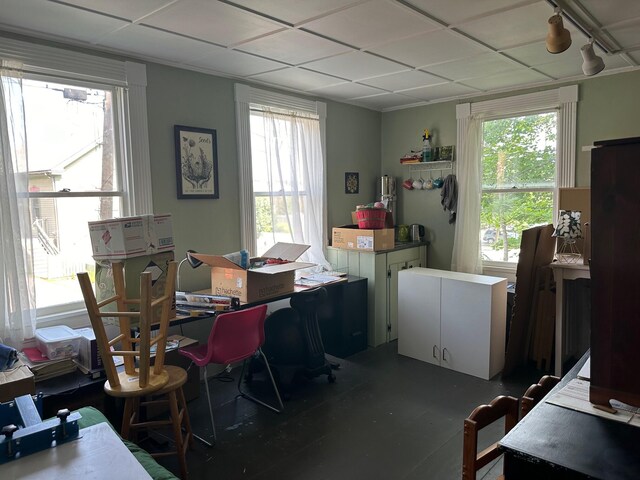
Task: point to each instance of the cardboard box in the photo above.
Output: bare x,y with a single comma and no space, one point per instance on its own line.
350,237
88,354
255,284
156,264
129,237
16,381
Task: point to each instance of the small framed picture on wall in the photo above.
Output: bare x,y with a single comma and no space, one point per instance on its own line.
351,182
196,162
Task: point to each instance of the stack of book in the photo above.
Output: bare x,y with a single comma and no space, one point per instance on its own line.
194,304
43,368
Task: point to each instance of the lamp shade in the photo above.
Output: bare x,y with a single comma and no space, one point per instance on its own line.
592,63
558,38
569,226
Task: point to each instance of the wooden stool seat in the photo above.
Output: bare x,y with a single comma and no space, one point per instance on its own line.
129,387
177,378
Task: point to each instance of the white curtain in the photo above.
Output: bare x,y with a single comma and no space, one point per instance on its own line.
295,174
466,244
17,297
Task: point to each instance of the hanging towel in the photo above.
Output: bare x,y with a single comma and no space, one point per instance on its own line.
8,357
449,196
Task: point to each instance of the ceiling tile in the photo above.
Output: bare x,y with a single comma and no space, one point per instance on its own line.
515,78
385,100
635,56
347,90
436,92
627,35
293,47
372,23
430,48
485,64
297,78
512,27
211,21
460,10
130,10
536,53
355,66
295,11
149,42
231,62
56,19
612,11
564,69
403,80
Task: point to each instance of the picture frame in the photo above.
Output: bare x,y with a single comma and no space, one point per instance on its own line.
351,182
196,152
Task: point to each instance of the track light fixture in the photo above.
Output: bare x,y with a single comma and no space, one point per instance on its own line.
592,64
558,38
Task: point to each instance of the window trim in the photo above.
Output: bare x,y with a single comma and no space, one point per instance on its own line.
130,78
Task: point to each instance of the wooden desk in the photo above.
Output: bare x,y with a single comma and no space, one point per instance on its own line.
553,442
562,272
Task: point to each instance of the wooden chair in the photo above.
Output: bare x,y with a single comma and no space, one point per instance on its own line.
536,392
482,416
144,384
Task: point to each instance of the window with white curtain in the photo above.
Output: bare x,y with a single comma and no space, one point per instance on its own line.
84,121
281,149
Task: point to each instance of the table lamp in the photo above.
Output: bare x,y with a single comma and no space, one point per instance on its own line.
194,262
569,230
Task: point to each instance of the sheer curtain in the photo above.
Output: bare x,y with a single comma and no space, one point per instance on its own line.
289,146
16,255
466,243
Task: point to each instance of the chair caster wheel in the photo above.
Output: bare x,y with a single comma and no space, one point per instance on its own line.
331,378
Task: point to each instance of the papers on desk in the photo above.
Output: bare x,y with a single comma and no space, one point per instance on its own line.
585,371
318,279
575,396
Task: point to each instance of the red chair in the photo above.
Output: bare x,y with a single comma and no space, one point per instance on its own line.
235,336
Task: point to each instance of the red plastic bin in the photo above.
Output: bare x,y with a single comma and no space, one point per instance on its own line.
372,218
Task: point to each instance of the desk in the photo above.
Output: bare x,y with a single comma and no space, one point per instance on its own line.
562,272
553,442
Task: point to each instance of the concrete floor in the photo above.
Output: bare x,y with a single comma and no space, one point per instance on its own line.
386,417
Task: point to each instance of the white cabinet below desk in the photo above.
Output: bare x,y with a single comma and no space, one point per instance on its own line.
454,320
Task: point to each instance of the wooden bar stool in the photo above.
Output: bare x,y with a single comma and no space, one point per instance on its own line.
141,385
536,392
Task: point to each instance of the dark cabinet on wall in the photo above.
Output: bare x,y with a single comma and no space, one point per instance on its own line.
615,271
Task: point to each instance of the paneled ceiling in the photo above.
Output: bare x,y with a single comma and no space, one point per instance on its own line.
380,54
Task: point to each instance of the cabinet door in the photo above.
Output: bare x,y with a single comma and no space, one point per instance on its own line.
466,327
392,299
419,316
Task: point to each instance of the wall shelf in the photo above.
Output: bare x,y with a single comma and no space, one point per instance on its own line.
423,166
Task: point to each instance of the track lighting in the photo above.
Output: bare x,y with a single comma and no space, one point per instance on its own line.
592,63
558,38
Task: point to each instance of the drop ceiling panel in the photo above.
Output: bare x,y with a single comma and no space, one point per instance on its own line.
403,80
295,11
128,9
459,10
58,20
297,78
211,21
230,62
355,66
518,77
370,23
437,92
430,48
612,11
566,68
385,100
511,27
481,65
149,42
627,35
293,47
536,53
347,90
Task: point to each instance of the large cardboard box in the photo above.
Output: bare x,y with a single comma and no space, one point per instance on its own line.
350,237
256,284
16,381
157,264
129,237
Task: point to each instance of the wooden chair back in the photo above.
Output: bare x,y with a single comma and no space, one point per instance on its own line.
482,416
143,379
536,392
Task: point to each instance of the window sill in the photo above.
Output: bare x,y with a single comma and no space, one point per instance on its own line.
504,270
70,318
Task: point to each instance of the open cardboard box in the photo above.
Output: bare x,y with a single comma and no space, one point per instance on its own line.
256,284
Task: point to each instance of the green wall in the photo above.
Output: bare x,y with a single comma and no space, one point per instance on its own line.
608,108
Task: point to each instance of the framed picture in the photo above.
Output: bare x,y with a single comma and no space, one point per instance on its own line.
196,162
351,182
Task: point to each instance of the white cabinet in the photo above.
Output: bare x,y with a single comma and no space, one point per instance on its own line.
455,320
381,269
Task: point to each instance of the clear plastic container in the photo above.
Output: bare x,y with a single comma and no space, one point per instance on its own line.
58,342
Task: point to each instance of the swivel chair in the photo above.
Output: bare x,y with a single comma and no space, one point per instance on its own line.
235,336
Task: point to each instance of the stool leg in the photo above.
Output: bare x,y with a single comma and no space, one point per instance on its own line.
126,417
187,421
177,433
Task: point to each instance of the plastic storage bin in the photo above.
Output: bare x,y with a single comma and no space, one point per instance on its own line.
58,342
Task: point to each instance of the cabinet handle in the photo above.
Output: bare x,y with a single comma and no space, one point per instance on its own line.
435,348
444,354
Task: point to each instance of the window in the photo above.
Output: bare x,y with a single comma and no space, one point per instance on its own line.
518,181
282,171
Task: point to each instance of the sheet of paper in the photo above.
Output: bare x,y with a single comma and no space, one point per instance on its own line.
585,371
90,456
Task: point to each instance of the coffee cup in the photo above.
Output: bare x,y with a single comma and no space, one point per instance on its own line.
408,184
428,184
438,182
417,184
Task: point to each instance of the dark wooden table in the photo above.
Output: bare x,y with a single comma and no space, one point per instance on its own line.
553,442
